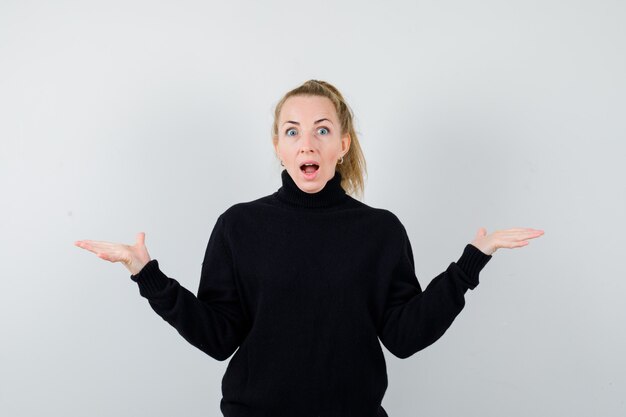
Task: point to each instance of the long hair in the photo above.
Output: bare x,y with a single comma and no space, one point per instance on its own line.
353,167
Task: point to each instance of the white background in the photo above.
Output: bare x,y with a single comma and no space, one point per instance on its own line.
124,116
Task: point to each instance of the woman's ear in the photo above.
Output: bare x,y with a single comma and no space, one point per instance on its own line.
276,149
345,143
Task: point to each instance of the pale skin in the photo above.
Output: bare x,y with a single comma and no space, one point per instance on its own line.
309,129
309,138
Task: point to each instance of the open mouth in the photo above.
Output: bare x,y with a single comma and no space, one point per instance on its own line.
309,168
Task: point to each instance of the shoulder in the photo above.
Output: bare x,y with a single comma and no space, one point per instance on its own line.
380,217
392,222
388,216
244,209
379,212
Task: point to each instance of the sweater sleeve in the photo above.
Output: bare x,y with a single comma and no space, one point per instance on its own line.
213,321
414,319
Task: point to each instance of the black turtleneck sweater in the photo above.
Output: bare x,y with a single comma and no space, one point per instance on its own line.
301,287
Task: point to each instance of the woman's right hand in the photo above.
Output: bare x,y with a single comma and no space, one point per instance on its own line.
134,257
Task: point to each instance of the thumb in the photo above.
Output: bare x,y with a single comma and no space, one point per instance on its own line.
141,237
481,232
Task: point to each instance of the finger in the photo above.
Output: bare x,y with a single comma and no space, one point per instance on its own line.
513,244
113,256
522,230
518,239
109,257
89,241
535,235
523,243
92,243
524,234
113,252
531,234
97,247
532,231
85,245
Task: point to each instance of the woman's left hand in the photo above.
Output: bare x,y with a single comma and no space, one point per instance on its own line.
509,238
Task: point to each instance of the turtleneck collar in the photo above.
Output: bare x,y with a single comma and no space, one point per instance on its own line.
331,195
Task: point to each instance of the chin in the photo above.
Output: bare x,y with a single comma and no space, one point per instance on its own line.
311,187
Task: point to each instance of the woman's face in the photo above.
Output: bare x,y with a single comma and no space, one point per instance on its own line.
308,130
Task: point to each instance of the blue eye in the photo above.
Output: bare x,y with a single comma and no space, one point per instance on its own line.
324,129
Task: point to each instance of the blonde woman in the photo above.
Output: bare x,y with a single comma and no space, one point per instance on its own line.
302,284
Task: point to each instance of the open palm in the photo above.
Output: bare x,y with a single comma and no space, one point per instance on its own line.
134,258
509,238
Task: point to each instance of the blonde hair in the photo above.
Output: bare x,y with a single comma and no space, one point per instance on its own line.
353,166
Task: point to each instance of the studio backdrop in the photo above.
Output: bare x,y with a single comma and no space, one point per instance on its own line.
118,117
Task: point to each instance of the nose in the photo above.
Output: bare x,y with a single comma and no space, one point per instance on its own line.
307,142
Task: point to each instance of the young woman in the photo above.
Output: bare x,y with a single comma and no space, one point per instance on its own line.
301,284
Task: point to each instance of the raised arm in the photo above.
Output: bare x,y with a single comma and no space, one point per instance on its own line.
414,319
214,321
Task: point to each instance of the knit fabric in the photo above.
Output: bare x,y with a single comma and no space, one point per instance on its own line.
301,287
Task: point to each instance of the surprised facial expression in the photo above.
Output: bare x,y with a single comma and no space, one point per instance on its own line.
309,132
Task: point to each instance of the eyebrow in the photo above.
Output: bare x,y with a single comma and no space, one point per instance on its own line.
316,122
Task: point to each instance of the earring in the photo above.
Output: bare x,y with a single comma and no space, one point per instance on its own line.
281,163
341,160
